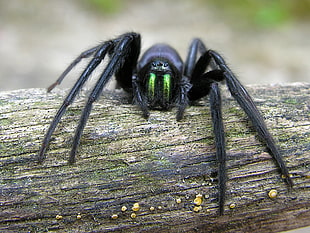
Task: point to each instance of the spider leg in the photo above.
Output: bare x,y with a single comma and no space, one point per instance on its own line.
197,46
247,104
218,128
139,98
183,97
204,83
118,58
83,55
195,70
98,57
191,68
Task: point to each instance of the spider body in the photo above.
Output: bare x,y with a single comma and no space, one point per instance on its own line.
160,79
160,76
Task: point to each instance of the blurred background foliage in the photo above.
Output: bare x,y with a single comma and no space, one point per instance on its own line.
265,41
103,6
265,13
261,13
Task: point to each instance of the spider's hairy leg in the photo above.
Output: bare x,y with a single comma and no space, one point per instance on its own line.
98,57
183,97
83,55
195,70
218,128
118,58
204,83
197,46
247,104
139,98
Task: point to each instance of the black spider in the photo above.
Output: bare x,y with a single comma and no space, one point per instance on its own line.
161,79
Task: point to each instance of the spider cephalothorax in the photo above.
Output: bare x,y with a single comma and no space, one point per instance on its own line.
159,74
160,79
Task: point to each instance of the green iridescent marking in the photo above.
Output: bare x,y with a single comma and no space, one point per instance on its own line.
167,86
151,85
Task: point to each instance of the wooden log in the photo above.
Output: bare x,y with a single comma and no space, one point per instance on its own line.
159,163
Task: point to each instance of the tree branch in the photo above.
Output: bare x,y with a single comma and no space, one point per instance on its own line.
159,163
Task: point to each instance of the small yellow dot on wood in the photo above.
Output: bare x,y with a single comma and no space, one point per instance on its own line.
284,176
78,216
273,193
58,217
136,207
178,200
114,216
124,208
197,208
198,199
232,206
152,208
133,215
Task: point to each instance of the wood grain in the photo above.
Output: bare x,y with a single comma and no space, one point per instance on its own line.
124,159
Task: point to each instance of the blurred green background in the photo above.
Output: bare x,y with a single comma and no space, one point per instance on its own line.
264,41
262,13
266,13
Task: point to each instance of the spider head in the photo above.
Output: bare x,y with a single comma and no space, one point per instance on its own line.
159,74
159,84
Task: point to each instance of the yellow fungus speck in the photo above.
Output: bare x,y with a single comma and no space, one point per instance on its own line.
133,215
114,216
136,207
284,176
124,208
152,208
198,201
159,207
58,217
197,208
78,216
273,193
178,200
232,205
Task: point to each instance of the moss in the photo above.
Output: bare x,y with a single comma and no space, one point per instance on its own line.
3,103
104,6
290,101
5,122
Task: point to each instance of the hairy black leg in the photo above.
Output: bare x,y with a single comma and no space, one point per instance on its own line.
98,57
247,104
201,81
125,73
121,53
139,99
83,55
218,128
183,97
197,46
195,70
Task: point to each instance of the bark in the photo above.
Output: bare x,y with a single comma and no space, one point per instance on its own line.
159,163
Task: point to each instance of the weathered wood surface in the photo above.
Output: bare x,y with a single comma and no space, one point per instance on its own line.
124,159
